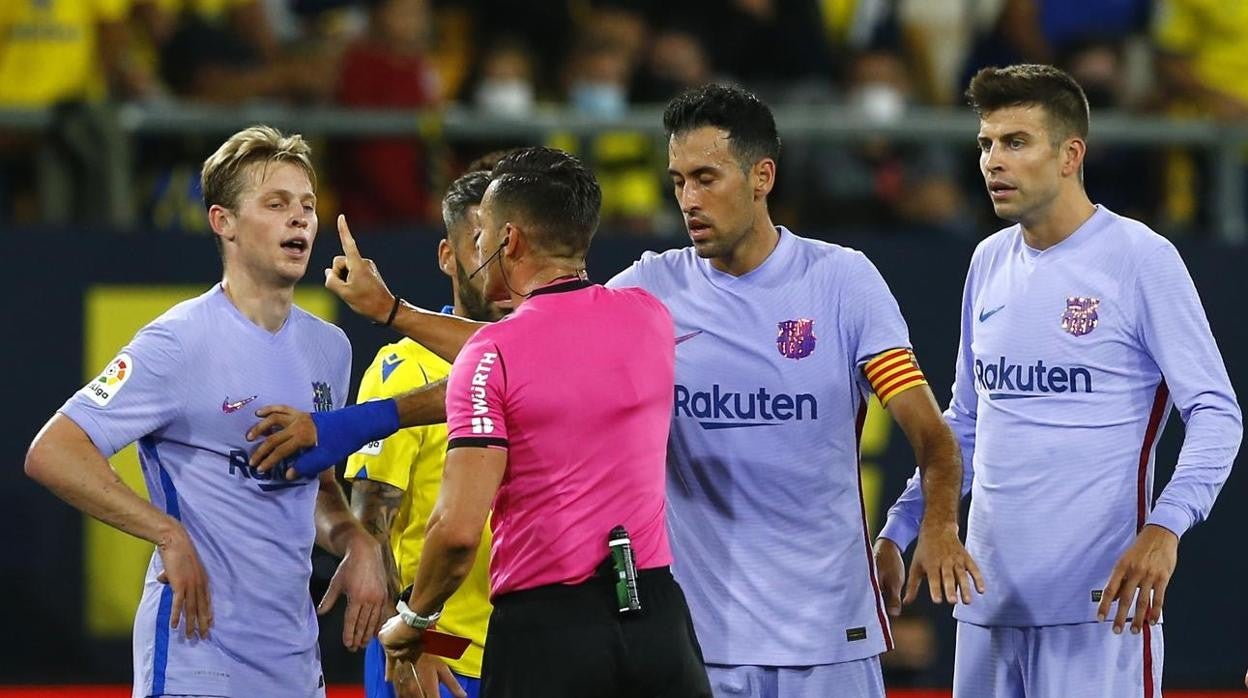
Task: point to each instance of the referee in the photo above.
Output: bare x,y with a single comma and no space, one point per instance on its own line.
557,419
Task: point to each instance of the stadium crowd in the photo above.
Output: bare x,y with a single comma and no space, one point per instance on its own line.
877,58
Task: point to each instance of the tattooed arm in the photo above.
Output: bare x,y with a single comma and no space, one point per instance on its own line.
376,505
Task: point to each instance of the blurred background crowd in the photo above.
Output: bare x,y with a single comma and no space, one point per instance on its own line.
75,63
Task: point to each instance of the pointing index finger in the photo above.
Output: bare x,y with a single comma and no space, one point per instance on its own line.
344,235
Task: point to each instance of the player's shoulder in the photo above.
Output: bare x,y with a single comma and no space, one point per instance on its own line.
1132,238
407,351
999,242
183,323
829,258
655,269
318,329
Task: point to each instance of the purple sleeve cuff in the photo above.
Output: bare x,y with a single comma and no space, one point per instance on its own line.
1170,517
900,530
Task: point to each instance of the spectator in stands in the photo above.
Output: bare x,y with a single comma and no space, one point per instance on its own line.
225,52
384,182
879,183
69,54
674,62
1203,66
1118,177
598,74
504,84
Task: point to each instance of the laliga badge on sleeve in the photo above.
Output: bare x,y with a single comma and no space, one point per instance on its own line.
102,389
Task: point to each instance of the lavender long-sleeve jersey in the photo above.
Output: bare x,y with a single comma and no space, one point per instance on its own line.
186,388
764,498
1069,362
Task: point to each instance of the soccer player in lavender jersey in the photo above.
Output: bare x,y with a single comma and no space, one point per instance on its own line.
780,340
1080,330
225,609
557,419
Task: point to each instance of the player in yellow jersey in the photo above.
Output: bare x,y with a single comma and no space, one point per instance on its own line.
395,482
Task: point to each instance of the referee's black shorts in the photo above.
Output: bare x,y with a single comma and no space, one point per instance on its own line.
563,641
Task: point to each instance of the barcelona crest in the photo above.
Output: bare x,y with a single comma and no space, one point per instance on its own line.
1080,316
796,338
322,397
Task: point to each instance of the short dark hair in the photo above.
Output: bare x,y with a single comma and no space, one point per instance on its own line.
749,122
555,194
463,193
1033,85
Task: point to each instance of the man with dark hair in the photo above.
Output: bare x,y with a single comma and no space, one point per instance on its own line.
557,419
1080,330
395,481
781,340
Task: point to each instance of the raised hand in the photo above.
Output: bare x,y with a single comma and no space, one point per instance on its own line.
356,280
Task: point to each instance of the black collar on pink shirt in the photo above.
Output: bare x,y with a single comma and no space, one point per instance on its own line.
561,285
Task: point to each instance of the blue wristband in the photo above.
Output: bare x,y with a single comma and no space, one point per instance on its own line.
339,433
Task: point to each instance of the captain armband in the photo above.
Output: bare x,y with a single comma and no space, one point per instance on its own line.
892,373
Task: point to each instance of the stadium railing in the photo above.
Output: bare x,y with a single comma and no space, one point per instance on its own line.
1224,144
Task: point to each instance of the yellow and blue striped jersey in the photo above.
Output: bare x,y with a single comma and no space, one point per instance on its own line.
412,460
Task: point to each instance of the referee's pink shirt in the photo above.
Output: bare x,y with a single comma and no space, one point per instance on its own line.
576,385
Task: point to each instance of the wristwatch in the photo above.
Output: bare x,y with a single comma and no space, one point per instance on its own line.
414,619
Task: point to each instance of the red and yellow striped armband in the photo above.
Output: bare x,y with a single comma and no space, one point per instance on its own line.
892,373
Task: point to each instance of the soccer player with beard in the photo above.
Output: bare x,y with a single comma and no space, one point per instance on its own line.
395,481
1081,329
780,341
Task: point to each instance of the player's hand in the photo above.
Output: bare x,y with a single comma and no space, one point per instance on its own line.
286,431
362,576
941,559
404,677
185,574
431,671
356,280
403,647
1146,567
892,569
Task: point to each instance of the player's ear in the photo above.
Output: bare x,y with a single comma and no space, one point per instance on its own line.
446,257
221,220
763,176
1073,152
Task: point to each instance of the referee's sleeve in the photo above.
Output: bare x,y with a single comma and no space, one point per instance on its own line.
476,395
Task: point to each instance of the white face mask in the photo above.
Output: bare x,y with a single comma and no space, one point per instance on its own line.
507,98
601,99
878,102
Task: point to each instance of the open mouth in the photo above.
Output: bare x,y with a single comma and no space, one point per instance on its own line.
295,245
697,228
1000,189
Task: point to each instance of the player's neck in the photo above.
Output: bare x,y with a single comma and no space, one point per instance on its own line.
1062,218
753,249
265,305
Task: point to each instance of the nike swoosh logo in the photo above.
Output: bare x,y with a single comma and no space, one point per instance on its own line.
985,314
687,337
231,407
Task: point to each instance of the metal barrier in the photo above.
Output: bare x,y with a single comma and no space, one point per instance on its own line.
1224,143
